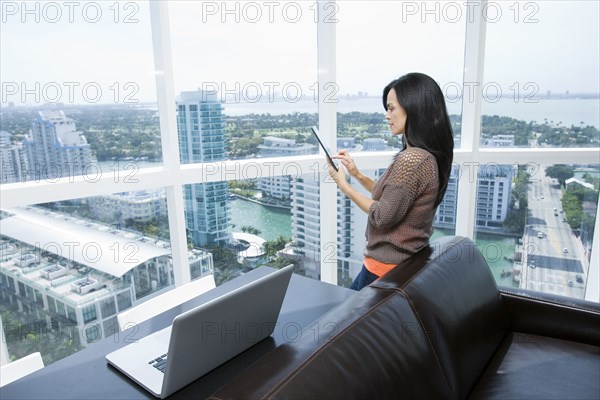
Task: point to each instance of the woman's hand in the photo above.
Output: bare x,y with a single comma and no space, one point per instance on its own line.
339,177
347,162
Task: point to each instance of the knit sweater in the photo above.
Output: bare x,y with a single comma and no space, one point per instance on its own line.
401,217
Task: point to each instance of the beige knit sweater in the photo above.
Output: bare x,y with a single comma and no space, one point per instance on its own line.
400,219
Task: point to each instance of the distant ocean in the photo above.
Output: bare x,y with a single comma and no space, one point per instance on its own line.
565,112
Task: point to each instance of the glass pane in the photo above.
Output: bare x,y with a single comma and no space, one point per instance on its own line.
245,224
534,98
68,268
352,222
395,38
245,77
535,224
444,223
78,89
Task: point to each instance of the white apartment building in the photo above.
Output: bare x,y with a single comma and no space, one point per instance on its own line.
499,141
306,223
55,148
142,205
279,187
494,187
445,216
77,275
374,144
11,160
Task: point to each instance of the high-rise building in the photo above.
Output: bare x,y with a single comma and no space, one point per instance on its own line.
306,223
445,216
55,148
494,187
279,187
11,159
201,139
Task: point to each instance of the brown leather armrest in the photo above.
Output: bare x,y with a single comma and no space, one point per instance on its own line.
553,316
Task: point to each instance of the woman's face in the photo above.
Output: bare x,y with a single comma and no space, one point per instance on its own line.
395,115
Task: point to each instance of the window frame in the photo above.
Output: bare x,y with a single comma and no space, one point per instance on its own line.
172,175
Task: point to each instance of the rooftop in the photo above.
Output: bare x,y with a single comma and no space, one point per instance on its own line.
97,246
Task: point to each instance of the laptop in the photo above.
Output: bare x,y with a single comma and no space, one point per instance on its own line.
203,338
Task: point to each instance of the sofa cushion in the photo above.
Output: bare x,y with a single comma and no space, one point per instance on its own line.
457,303
539,367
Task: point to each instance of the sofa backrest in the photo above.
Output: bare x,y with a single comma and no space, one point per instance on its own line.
454,297
371,346
425,330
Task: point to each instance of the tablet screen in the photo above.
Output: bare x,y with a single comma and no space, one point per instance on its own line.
315,131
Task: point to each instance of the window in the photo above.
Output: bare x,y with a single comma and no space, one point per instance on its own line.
181,159
110,326
540,105
549,208
93,333
124,300
221,99
89,313
108,308
534,99
395,39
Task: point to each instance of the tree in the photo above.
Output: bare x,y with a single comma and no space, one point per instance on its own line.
517,215
590,179
560,172
251,230
572,208
271,247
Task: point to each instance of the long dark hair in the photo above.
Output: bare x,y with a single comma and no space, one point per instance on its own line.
427,123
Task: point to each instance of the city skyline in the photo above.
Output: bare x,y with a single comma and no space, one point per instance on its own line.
110,60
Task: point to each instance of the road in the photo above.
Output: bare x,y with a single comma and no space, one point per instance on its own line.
552,259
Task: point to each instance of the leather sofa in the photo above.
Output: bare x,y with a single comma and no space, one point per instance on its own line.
437,327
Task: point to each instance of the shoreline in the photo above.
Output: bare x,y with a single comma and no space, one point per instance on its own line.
282,207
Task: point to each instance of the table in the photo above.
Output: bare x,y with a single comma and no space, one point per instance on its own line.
86,374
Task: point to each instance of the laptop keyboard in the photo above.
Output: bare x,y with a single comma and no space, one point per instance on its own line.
160,363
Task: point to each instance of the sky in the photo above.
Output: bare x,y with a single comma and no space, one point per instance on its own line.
101,51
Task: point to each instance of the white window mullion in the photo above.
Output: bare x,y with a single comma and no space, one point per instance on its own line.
163,65
326,65
471,119
592,287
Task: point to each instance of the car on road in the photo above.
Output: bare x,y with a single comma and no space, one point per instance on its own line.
579,278
540,235
570,283
565,250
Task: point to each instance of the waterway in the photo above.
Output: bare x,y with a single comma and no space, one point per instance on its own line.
272,222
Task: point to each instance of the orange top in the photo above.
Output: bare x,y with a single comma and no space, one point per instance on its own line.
377,267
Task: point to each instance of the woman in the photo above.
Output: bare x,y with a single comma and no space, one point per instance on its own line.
404,200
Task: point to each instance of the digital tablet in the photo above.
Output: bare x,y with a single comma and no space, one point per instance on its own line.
315,131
